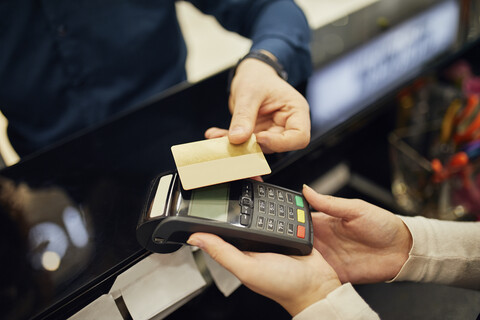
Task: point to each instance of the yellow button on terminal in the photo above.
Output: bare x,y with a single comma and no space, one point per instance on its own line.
300,215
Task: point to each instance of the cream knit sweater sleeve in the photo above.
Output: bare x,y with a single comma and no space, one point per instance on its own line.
343,303
443,252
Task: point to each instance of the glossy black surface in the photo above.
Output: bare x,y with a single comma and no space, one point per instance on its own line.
79,202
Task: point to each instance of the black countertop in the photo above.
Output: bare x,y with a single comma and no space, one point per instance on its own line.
78,203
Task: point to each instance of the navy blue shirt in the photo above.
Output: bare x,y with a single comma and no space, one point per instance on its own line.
65,65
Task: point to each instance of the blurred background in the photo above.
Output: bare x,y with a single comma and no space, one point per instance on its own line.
211,48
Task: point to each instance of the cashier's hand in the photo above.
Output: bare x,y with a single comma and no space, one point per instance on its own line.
295,282
362,242
263,103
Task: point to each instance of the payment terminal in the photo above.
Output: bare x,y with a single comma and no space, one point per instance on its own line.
252,215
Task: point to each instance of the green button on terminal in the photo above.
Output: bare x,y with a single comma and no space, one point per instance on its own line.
299,201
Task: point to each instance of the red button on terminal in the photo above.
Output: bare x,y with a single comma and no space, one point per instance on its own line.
301,232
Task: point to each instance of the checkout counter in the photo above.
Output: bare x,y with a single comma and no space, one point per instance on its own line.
69,213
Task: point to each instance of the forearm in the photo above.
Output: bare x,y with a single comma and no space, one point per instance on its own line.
443,252
277,26
282,29
343,303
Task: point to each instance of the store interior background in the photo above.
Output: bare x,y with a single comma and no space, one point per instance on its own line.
212,49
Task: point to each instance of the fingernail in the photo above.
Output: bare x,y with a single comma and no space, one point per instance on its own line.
193,241
237,130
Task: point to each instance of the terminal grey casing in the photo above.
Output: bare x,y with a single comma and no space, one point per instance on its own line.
168,232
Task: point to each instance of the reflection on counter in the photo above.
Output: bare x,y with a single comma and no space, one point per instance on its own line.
56,248
61,235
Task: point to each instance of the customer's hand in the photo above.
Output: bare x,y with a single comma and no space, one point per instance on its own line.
295,282
263,103
362,242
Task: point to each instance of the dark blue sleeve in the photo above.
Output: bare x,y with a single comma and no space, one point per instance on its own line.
278,26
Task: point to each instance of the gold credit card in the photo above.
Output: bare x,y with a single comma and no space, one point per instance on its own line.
208,162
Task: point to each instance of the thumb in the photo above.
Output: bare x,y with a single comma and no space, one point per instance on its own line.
245,111
345,209
224,253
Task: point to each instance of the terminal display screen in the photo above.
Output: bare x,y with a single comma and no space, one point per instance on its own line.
210,203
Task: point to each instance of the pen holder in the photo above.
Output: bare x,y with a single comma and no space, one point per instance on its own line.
419,189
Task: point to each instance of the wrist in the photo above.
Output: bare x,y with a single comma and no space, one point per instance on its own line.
406,243
254,67
261,57
269,59
402,249
300,303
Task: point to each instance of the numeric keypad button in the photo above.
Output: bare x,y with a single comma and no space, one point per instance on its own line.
290,198
280,196
281,210
270,224
290,229
260,222
261,191
271,193
271,208
291,213
281,226
262,206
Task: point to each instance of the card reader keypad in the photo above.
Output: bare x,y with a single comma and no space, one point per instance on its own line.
274,210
